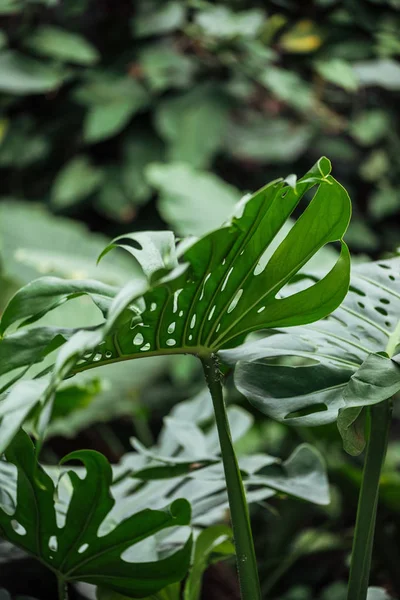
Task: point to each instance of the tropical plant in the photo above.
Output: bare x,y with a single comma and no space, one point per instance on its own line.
346,369
198,298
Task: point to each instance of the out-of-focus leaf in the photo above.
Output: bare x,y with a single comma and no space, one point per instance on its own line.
192,202
302,38
376,165
126,187
222,22
76,552
193,125
288,86
361,236
384,202
153,18
383,73
375,593
76,180
267,141
22,145
22,75
164,67
339,72
63,45
35,243
370,126
10,7
104,121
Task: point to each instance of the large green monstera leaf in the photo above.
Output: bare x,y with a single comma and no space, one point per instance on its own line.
200,296
76,550
340,364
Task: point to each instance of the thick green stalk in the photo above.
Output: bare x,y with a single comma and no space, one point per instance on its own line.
62,589
245,554
379,424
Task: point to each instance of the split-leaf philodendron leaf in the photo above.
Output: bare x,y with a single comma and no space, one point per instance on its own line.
343,363
206,294
75,550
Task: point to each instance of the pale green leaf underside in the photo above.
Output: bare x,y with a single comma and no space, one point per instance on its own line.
343,362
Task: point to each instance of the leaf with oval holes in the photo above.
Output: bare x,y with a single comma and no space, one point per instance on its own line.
343,362
77,551
209,293
227,284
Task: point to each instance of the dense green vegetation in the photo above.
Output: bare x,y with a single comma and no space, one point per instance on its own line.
129,118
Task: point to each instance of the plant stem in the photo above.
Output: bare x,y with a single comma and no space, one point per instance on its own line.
379,424
245,554
62,589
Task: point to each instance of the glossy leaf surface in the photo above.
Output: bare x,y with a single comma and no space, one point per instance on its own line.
76,550
348,360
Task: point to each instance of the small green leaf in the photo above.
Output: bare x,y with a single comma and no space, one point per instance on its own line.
63,45
77,180
193,124
222,22
76,552
193,202
339,72
155,19
22,75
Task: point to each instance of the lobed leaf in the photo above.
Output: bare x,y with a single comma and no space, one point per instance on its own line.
76,551
346,361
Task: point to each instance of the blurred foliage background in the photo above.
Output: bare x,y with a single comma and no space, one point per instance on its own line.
118,115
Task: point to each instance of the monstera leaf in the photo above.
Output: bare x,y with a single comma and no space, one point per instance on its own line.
341,364
75,550
206,294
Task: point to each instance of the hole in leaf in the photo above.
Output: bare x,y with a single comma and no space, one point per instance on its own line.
18,528
145,347
235,301
307,410
83,548
153,307
226,279
218,327
190,337
181,313
381,310
357,291
138,339
204,286
132,243
384,300
261,309
171,342
212,311
53,543
175,301
98,356
171,327
193,322
108,354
